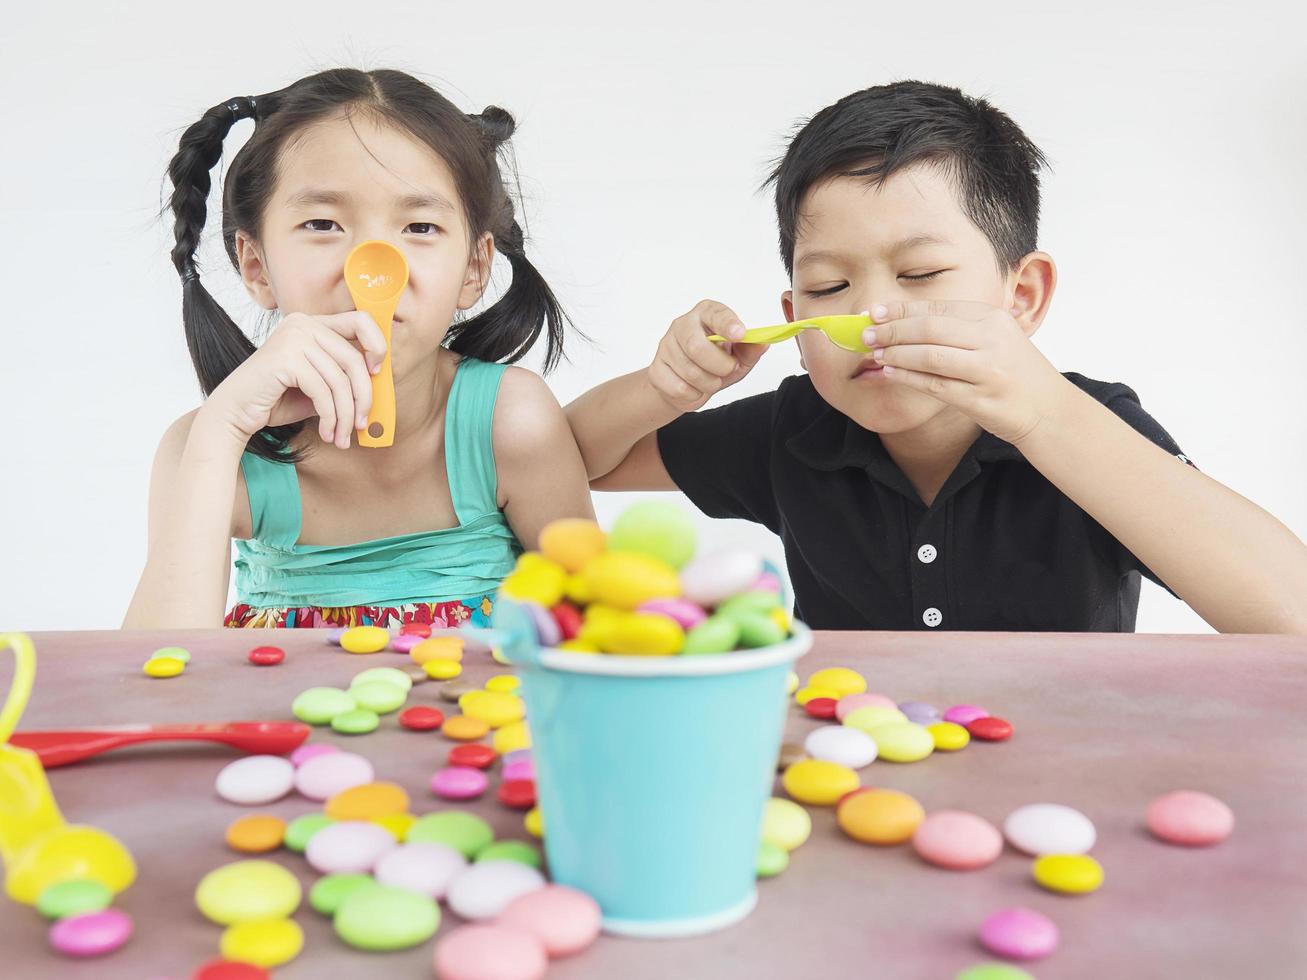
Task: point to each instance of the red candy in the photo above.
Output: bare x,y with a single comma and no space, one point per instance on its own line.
990,729
473,754
267,656
568,618
820,708
230,970
520,794
415,629
421,718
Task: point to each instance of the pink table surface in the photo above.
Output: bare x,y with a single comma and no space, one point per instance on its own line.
1103,723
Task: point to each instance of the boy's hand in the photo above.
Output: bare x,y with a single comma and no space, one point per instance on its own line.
971,356
689,368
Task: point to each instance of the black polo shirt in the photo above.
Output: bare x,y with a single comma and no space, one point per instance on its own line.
1000,548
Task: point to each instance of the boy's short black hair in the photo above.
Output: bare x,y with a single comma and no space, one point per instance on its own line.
881,130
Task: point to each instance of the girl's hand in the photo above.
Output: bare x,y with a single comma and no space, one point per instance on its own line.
309,366
689,368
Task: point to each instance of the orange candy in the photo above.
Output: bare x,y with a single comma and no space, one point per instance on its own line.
438,648
879,816
370,801
461,728
256,833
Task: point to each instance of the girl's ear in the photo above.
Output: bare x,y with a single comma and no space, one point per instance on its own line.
254,271
477,276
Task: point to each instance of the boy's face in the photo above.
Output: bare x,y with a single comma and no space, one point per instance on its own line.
861,244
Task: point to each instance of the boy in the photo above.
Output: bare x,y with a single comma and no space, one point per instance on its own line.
953,478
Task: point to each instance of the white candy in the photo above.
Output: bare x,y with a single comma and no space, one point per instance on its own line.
323,776
838,743
349,847
713,579
484,889
1049,828
255,779
422,867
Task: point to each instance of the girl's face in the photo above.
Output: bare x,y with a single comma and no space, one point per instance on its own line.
343,181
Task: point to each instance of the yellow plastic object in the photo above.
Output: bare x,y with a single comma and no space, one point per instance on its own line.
376,273
843,331
38,848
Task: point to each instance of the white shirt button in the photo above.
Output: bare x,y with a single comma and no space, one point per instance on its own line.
932,617
927,553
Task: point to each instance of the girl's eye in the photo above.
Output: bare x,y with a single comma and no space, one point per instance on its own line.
315,224
423,228
925,277
828,291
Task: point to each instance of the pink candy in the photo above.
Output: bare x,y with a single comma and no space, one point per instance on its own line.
306,752
405,642
964,714
684,612
459,783
92,934
1019,934
957,840
852,702
1189,818
477,952
565,920
518,770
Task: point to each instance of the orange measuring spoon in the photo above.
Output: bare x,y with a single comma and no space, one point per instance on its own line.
376,274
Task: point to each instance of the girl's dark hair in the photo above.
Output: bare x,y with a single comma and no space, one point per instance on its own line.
878,131
469,145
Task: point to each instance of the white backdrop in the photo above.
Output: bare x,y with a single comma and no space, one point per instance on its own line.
1176,211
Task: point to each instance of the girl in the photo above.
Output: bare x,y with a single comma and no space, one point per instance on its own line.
329,533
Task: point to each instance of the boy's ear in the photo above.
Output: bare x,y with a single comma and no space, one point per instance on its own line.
477,276
254,272
1031,287
787,305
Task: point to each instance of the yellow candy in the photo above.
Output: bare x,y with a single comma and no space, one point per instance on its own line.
572,542
437,648
535,823
367,802
497,655
785,823
949,737
536,579
263,942
442,670
781,618
365,639
578,645
495,708
647,634
576,590
880,816
818,782
791,682
841,680
163,667
1071,874
397,823
805,694
628,579
511,737
598,624
873,716
902,742
504,683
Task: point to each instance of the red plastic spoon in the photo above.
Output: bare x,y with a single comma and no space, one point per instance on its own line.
58,748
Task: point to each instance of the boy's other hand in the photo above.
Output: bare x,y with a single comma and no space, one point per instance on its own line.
689,368
971,356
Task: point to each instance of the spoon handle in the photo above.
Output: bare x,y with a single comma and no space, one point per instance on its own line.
380,428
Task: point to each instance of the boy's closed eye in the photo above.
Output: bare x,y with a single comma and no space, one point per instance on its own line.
917,277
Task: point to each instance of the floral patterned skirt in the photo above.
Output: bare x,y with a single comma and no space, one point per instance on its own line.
439,615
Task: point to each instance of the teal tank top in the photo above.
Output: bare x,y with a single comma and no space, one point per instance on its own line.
470,560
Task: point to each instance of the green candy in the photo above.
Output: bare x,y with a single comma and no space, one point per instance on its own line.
392,675
748,602
360,721
302,828
318,705
716,634
772,860
758,630
465,832
382,697
994,971
384,918
511,850
330,891
656,528
73,897
176,653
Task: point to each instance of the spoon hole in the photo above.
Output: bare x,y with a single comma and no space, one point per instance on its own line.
376,429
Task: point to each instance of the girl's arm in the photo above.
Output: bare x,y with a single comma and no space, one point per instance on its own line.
192,489
541,476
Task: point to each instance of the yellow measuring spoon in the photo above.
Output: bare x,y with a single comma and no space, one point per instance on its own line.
376,274
844,331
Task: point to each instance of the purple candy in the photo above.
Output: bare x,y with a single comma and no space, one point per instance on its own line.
459,783
306,752
405,642
964,714
518,770
920,712
683,611
92,934
1019,934
548,632
334,635
517,755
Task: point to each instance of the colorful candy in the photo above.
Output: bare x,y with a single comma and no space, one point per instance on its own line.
818,782
1070,874
244,891
879,816
1049,828
957,840
255,779
1189,818
384,918
1019,934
